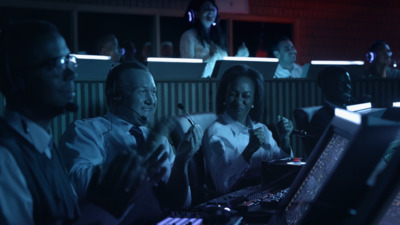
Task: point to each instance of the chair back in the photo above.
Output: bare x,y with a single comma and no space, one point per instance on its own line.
196,170
302,118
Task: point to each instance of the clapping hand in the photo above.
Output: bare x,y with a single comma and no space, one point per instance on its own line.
190,143
284,127
256,140
153,165
113,188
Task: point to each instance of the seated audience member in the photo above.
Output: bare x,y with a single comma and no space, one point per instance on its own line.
88,143
37,79
108,45
286,54
236,143
146,52
335,85
204,38
167,49
128,52
379,58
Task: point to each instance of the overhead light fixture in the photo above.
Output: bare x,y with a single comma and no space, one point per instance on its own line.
251,59
99,57
358,107
184,60
337,62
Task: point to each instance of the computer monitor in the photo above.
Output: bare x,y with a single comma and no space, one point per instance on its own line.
311,71
366,109
334,178
392,114
266,66
93,67
176,68
381,206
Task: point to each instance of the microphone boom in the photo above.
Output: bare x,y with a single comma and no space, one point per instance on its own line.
188,117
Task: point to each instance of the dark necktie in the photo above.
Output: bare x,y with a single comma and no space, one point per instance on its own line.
138,134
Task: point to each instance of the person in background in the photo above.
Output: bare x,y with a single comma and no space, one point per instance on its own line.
108,45
90,143
146,52
236,143
167,49
286,53
379,58
335,85
128,51
204,38
37,79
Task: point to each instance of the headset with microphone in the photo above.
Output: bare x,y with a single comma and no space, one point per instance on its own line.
117,99
370,56
187,115
190,15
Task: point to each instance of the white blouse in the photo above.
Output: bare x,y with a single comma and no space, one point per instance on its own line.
223,144
191,47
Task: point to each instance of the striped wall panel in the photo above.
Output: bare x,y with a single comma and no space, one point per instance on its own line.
194,95
381,92
281,98
91,101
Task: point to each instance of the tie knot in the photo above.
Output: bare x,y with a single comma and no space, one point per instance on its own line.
137,133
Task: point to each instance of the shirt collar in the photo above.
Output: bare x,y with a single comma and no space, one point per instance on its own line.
119,122
236,126
29,130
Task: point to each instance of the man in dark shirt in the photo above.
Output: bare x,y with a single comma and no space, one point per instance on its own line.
335,85
37,80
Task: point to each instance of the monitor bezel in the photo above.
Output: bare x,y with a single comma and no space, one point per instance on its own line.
332,184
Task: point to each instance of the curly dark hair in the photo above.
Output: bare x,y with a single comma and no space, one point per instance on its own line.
230,76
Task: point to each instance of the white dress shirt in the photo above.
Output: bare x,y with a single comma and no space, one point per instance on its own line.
223,144
297,72
97,141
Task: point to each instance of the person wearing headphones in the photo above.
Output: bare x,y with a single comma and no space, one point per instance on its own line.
108,45
90,143
204,38
37,79
379,58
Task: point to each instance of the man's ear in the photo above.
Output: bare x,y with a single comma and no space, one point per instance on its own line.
277,54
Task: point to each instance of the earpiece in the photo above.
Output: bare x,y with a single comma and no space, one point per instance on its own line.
191,16
370,57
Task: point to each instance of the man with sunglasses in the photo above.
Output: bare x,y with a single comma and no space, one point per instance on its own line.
37,80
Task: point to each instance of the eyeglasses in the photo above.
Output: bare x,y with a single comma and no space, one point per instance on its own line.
61,63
